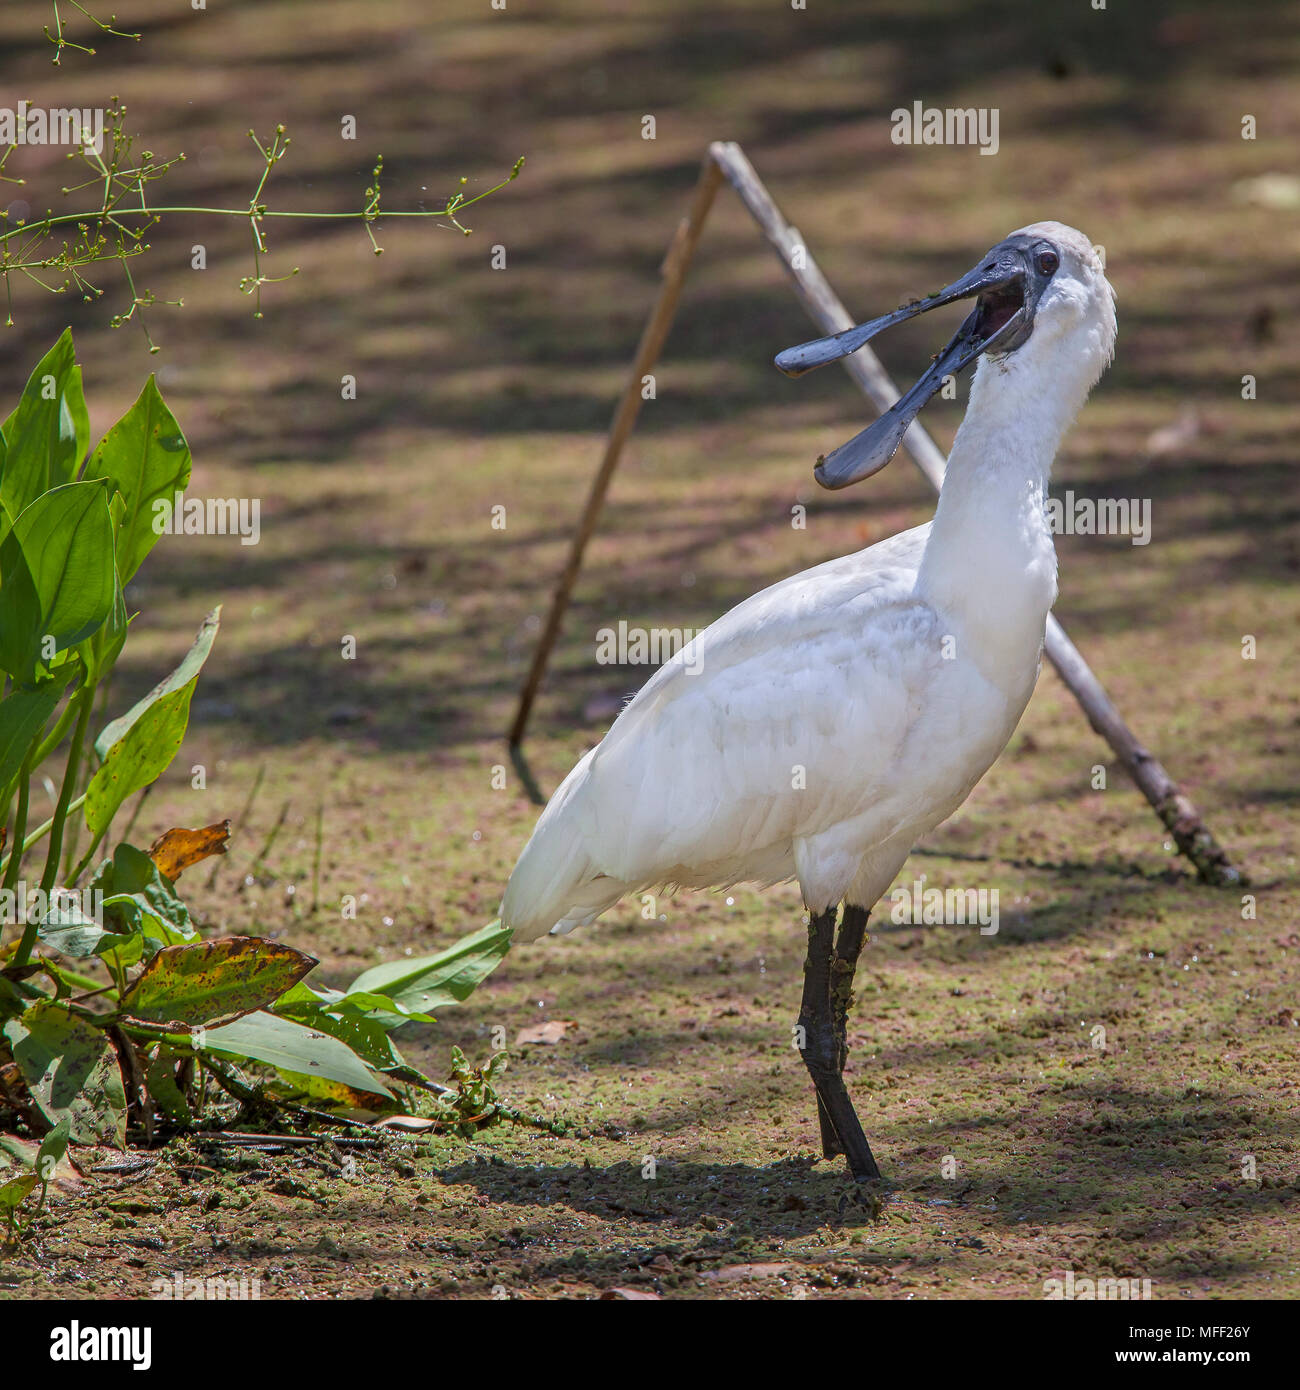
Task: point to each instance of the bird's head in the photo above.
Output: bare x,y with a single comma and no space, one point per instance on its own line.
1043,306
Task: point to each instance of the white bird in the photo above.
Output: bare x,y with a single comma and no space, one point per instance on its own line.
822,726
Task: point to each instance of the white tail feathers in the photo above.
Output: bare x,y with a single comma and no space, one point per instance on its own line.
555,886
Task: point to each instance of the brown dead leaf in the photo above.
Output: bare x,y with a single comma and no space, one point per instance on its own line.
547,1034
174,851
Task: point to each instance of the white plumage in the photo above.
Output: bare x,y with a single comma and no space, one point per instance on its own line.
823,725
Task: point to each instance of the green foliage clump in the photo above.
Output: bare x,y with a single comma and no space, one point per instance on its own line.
84,1057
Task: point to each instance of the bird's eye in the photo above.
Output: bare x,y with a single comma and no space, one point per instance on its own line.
1047,262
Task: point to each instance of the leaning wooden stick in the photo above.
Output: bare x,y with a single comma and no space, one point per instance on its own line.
673,271
824,307
1176,812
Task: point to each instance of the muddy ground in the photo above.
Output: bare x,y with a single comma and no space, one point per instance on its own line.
1107,1085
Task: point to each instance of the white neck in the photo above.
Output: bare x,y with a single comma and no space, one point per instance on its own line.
990,560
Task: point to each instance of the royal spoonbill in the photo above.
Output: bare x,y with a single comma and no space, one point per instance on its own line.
823,725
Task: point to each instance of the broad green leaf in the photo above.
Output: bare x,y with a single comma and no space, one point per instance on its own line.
53,1147
135,892
47,434
100,651
137,748
290,1047
16,1191
71,1070
305,999
367,1038
140,758
67,929
48,1160
146,459
120,951
322,1091
367,1002
213,982
426,982
22,719
184,675
57,583
307,1004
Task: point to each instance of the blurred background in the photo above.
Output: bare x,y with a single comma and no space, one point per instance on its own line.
487,366
482,386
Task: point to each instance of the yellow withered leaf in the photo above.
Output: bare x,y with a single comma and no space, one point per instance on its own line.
174,851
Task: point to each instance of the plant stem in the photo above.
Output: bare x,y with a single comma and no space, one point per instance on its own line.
42,831
86,700
55,737
20,825
87,857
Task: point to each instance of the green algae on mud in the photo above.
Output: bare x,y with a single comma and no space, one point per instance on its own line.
1126,1158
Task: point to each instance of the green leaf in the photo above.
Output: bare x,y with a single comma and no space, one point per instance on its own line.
305,999
213,982
71,1070
53,1147
135,892
16,1191
120,951
136,749
448,978
308,1004
57,583
100,651
140,908
47,434
366,1037
67,929
22,720
146,459
48,1161
289,1047
372,1005
184,675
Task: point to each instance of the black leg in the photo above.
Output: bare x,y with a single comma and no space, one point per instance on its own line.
831,1145
848,947
816,991
825,985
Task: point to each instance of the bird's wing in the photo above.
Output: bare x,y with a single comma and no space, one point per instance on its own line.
742,741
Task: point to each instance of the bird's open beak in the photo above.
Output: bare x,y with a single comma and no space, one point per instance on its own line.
1000,319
